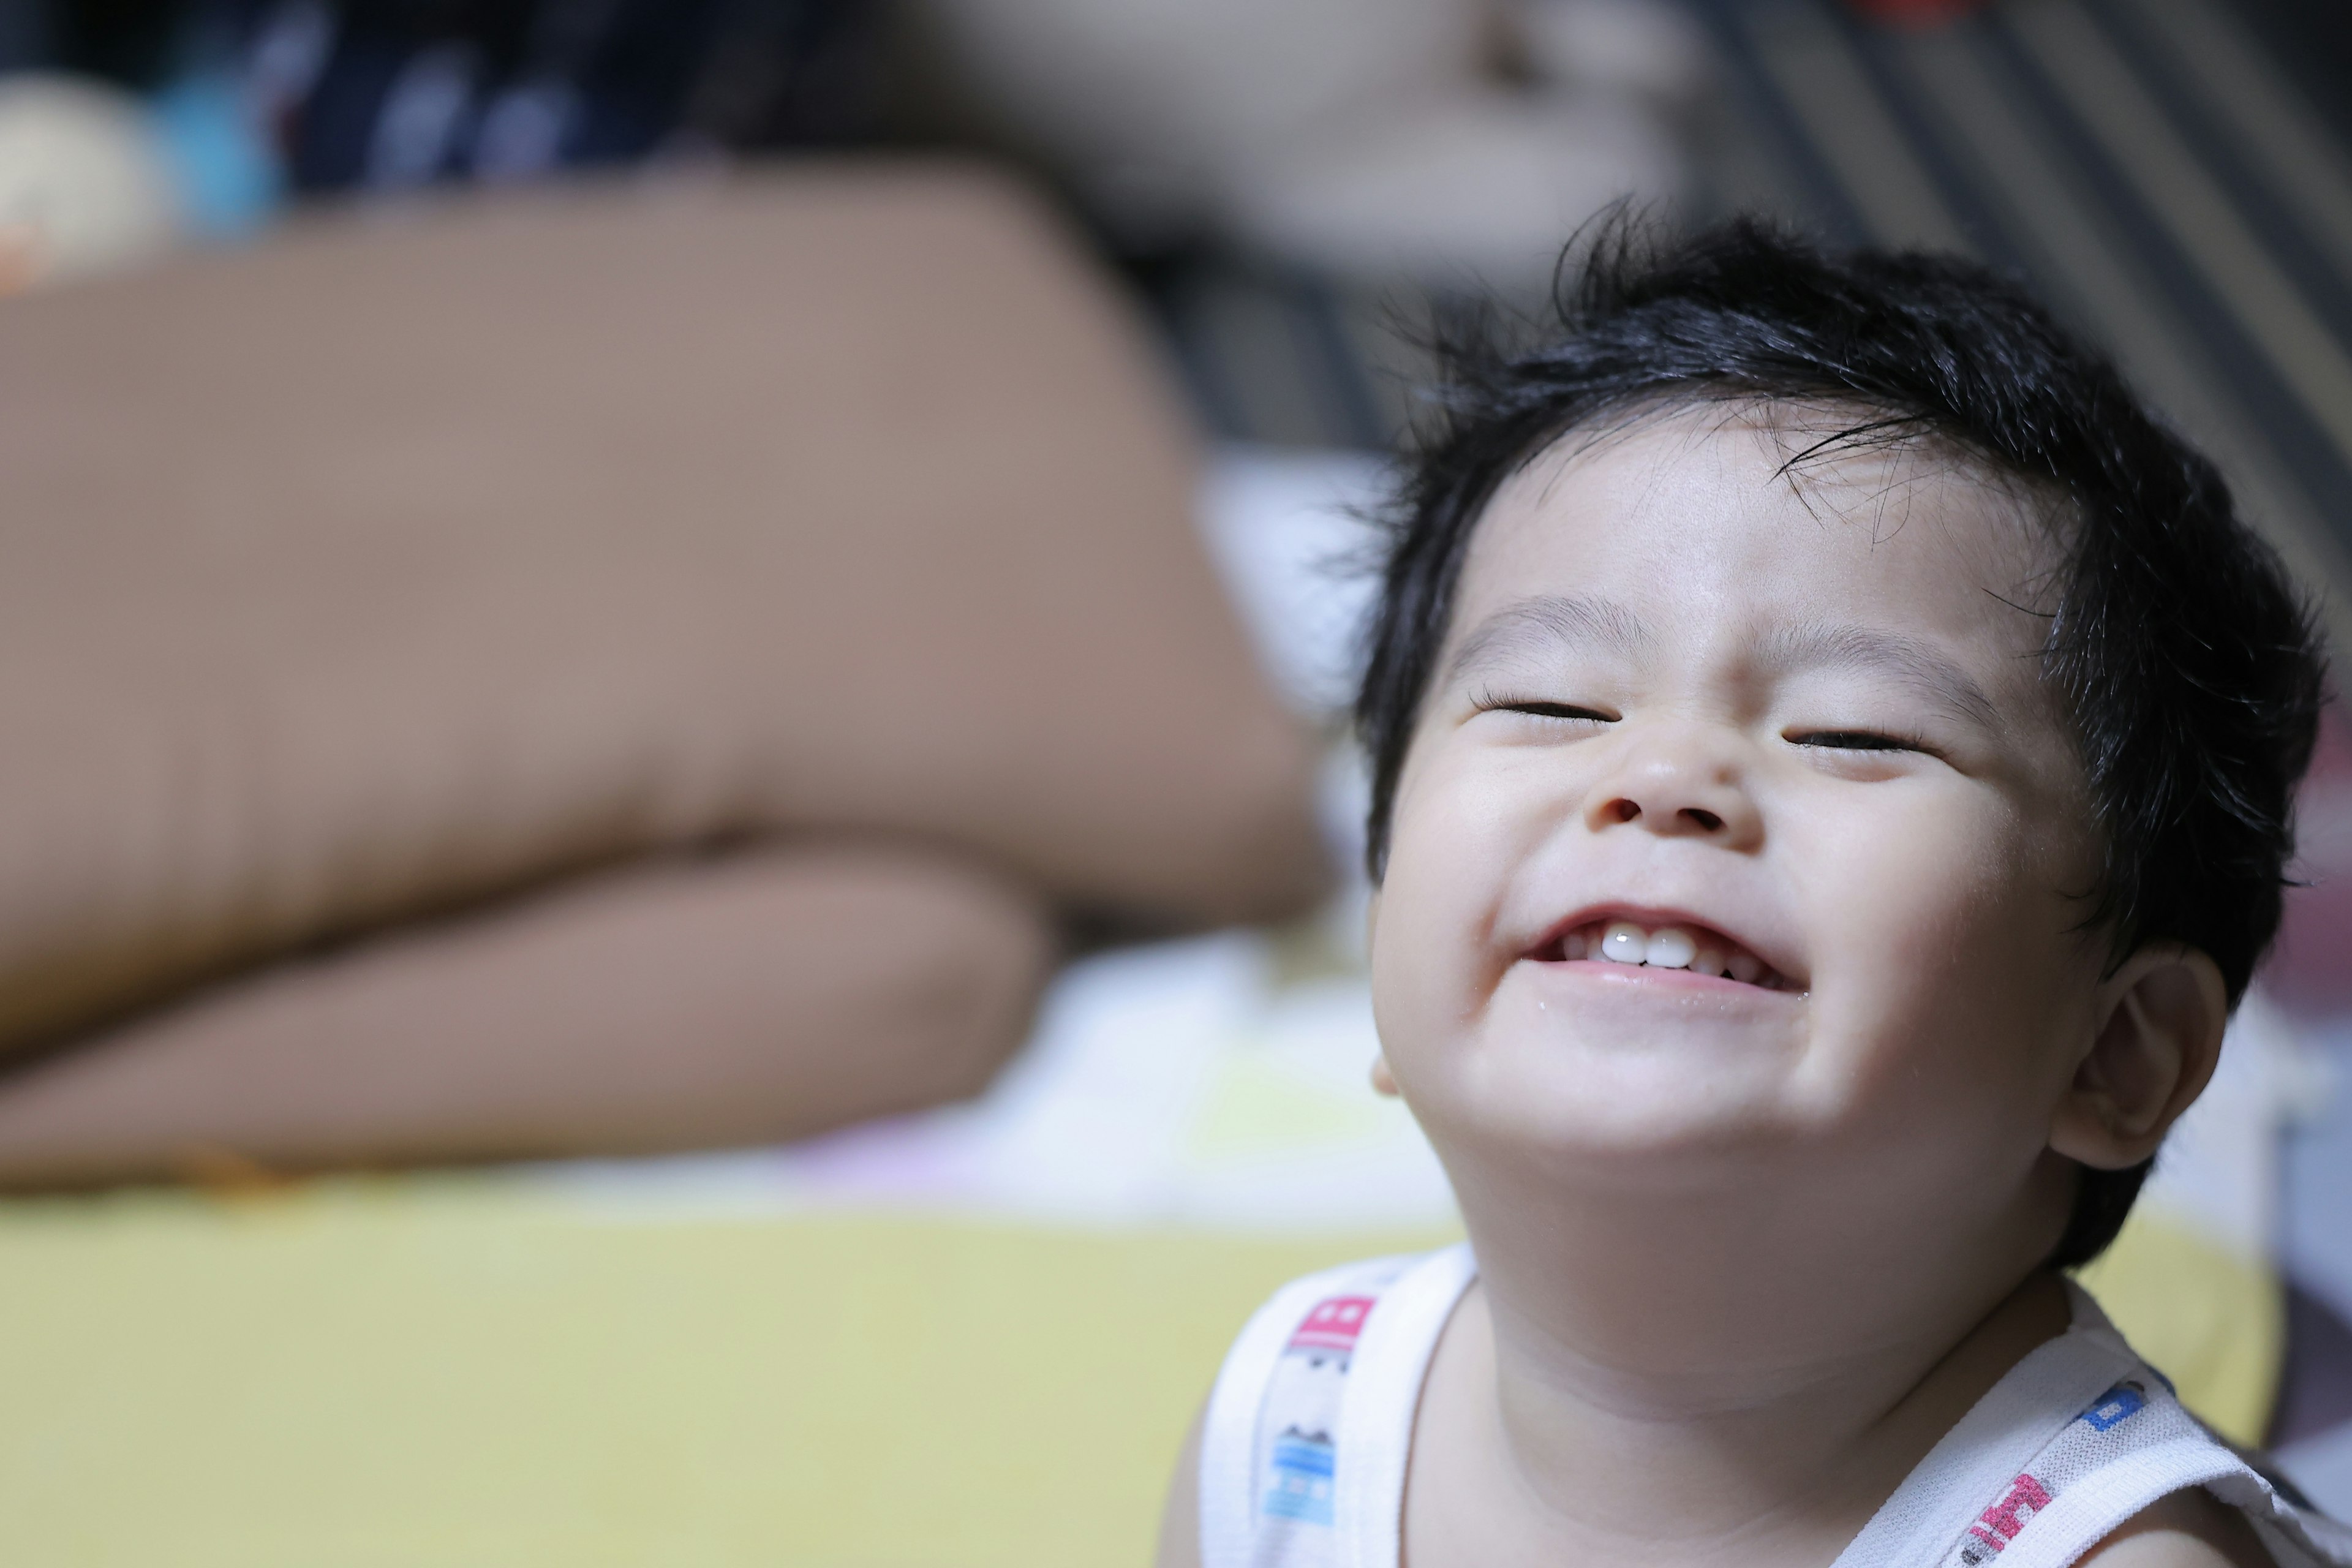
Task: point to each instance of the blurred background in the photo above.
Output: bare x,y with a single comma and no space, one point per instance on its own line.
677,844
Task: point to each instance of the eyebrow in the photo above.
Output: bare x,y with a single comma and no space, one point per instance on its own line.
1545,623
1917,664
1538,626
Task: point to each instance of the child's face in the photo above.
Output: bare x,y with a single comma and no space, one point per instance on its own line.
1748,725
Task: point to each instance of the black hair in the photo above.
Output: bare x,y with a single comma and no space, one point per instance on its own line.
2183,655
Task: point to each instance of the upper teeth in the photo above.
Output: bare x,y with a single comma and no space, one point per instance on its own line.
1669,947
1625,943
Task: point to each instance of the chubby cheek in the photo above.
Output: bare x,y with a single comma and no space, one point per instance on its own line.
1434,963
1945,983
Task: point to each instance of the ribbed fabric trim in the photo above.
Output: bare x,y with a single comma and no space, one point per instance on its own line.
2092,1506
1229,1472
1375,1434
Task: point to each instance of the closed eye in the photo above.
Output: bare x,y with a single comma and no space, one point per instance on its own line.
1858,740
1554,710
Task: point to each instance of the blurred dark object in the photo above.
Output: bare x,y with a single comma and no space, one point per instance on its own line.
2312,39
2316,1386
399,92
1915,12
2310,971
131,43
395,93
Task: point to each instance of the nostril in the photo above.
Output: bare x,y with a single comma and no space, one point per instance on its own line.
1624,810
1707,821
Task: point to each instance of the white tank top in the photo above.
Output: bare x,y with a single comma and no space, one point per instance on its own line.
1303,1451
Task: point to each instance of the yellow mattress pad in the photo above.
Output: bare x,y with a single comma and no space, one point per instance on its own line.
477,1370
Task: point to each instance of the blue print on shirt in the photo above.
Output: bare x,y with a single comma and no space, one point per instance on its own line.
2115,1406
1302,1479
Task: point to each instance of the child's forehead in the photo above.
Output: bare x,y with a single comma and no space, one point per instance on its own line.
1813,507
1839,458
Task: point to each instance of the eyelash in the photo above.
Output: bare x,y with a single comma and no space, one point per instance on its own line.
1554,710
1861,740
1824,739
1536,707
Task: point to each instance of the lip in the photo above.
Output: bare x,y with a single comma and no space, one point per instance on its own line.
1651,917
1640,979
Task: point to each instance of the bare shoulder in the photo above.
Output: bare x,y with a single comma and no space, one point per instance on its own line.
1179,1521
2190,1529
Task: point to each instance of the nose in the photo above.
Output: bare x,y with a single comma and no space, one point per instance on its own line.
1678,784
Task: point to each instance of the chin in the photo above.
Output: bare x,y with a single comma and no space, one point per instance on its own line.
1625,1105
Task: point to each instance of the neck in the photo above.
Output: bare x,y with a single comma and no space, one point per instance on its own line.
1735,1365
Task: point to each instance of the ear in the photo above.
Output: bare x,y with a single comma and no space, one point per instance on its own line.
1383,1081
2159,1024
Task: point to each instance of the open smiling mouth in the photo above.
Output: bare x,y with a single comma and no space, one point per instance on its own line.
1678,946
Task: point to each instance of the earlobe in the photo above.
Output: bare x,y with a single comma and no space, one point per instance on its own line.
2157,1040
1383,1081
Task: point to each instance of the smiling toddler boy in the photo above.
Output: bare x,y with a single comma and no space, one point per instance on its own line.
1833,753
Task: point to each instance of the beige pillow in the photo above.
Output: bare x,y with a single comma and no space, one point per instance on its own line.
402,562
674,1005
